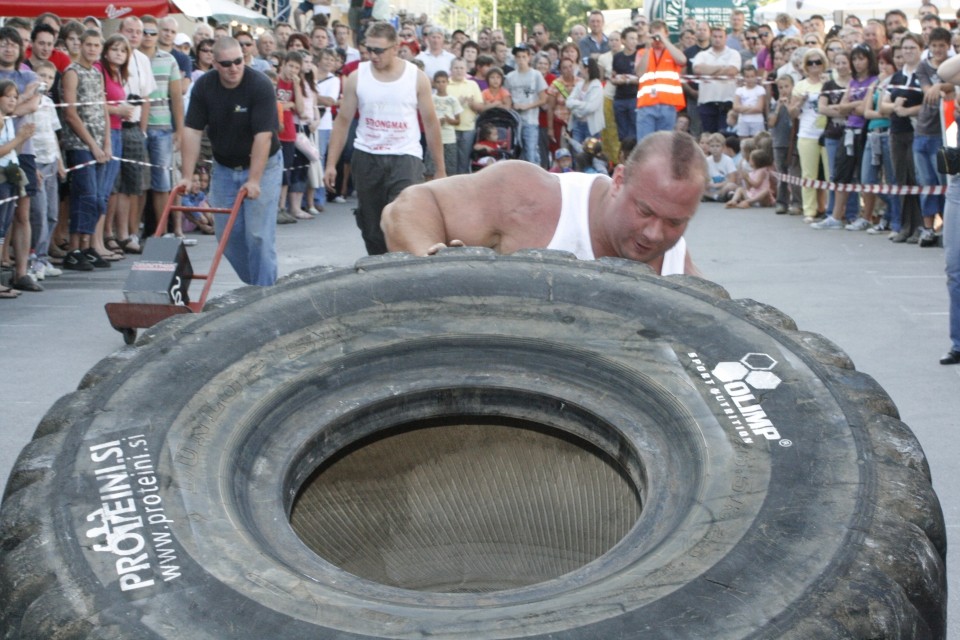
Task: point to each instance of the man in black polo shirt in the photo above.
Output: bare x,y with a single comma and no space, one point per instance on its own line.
239,110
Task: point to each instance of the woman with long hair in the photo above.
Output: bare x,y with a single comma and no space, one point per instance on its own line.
86,140
113,65
586,104
833,91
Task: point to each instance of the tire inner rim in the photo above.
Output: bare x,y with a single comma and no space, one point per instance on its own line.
473,504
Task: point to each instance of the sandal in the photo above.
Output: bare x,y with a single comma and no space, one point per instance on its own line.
110,242
26,283
7,293
130,245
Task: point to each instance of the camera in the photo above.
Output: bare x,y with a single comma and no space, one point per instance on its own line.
42,87
656,37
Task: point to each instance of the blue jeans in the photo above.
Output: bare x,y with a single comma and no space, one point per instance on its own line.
951,247
7,191
323,140
112,169
252,247
530,136
44,207
624,110
160,152
86,184
870,174
464,147
925,164
580,131
658,117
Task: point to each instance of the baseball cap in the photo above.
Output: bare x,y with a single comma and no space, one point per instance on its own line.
181,39
520,47
562,153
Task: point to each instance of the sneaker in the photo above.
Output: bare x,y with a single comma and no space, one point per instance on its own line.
314,211
794,211
827,223
900,236
76,261
284,217
780,210
928,238
340,200
49,270
881,227
95,259
914,237
860,224
36,270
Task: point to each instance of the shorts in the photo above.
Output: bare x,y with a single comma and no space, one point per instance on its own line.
28,162
160,150
131,175
305,6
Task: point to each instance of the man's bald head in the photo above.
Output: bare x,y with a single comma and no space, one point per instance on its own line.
687,161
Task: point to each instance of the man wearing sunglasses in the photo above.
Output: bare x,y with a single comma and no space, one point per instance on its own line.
239,110
389,93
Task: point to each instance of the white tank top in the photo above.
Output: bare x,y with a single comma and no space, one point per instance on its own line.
573,227
388,113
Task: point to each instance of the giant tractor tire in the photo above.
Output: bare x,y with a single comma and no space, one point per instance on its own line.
474,447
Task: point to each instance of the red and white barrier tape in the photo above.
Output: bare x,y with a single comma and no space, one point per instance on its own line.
886,189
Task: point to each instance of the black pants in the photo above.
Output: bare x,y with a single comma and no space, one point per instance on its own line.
379,180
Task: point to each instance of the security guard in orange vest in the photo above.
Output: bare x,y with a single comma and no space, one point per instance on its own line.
659,93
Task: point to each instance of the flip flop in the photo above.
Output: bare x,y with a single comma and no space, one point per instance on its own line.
8,294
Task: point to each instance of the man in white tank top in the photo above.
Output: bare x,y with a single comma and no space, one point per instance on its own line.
640,213
389,93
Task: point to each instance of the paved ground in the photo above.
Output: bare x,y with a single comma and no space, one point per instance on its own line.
884,304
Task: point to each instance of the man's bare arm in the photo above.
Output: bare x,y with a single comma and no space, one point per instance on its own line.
478,210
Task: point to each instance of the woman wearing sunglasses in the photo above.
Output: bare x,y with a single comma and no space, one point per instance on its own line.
805,106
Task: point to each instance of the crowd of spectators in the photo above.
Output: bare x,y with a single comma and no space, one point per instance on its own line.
858,103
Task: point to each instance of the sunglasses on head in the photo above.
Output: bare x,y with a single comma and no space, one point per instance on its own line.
226,64
378,51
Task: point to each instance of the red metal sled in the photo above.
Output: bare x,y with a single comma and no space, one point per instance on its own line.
127,317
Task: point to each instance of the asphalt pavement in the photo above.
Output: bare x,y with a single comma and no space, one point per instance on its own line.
884,304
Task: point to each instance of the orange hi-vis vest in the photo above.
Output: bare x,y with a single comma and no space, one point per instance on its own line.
661,83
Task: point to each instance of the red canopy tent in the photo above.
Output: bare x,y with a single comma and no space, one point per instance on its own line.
100,9
221,10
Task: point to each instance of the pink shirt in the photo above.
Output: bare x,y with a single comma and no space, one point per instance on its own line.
115,93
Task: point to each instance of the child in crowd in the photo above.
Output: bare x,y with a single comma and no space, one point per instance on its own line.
722,178
780,124
45,204
495,95
757,193
488,148
197,197
747,146
750,103
448,110
562,161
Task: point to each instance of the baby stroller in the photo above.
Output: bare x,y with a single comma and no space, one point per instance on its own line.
505,125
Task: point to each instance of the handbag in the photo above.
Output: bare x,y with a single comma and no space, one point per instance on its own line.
305,146
948,160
